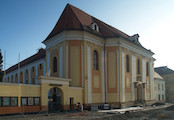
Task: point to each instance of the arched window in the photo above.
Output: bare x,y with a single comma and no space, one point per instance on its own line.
12,79
147,69
127,63
138,66
21,77
8,79
16,78
26,77
54,64
95,60
95,27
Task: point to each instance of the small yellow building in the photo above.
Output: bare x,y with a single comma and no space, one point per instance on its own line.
85,61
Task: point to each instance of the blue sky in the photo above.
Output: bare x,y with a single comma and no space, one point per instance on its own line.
24,24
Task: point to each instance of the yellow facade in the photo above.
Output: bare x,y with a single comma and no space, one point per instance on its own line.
82,66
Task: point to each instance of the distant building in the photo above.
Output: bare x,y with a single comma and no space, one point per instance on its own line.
85,61
168,76
159,88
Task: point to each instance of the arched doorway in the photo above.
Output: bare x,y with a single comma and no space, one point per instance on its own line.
139,93
55,99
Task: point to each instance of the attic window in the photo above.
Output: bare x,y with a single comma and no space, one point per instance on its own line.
95,27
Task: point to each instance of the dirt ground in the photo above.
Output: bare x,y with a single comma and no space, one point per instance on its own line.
154,113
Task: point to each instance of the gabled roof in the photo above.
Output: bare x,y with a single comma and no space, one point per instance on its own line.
41,54
73,18
157,76
164,70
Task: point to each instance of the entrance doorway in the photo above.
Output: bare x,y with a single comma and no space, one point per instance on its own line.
71,103
55,99
140,93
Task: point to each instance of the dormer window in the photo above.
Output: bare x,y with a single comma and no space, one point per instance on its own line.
95,27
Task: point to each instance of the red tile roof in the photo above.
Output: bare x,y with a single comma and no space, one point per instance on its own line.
41,54
73,18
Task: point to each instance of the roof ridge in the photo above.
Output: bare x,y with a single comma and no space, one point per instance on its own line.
40,54
109,26
76,16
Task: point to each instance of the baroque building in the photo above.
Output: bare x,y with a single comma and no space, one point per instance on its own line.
86,61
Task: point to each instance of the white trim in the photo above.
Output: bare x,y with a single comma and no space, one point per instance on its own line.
144,75
121,44
76,88
106,78
44,67
143,71
133,76
77,35
82,63
118,75
89,74
103,82
48,64
151,81
17,84
67,65
123,77
36,73
54,80
92,40
55,40
61,61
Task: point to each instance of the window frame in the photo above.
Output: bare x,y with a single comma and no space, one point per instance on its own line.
147,68
127,64
95,60
55,63
40,66
138,67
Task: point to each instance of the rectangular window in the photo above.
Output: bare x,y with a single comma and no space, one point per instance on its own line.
33,81
6,101
30,101
40,66
37,101
162,97
24,101
33,69
158,86
14,101
158,97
